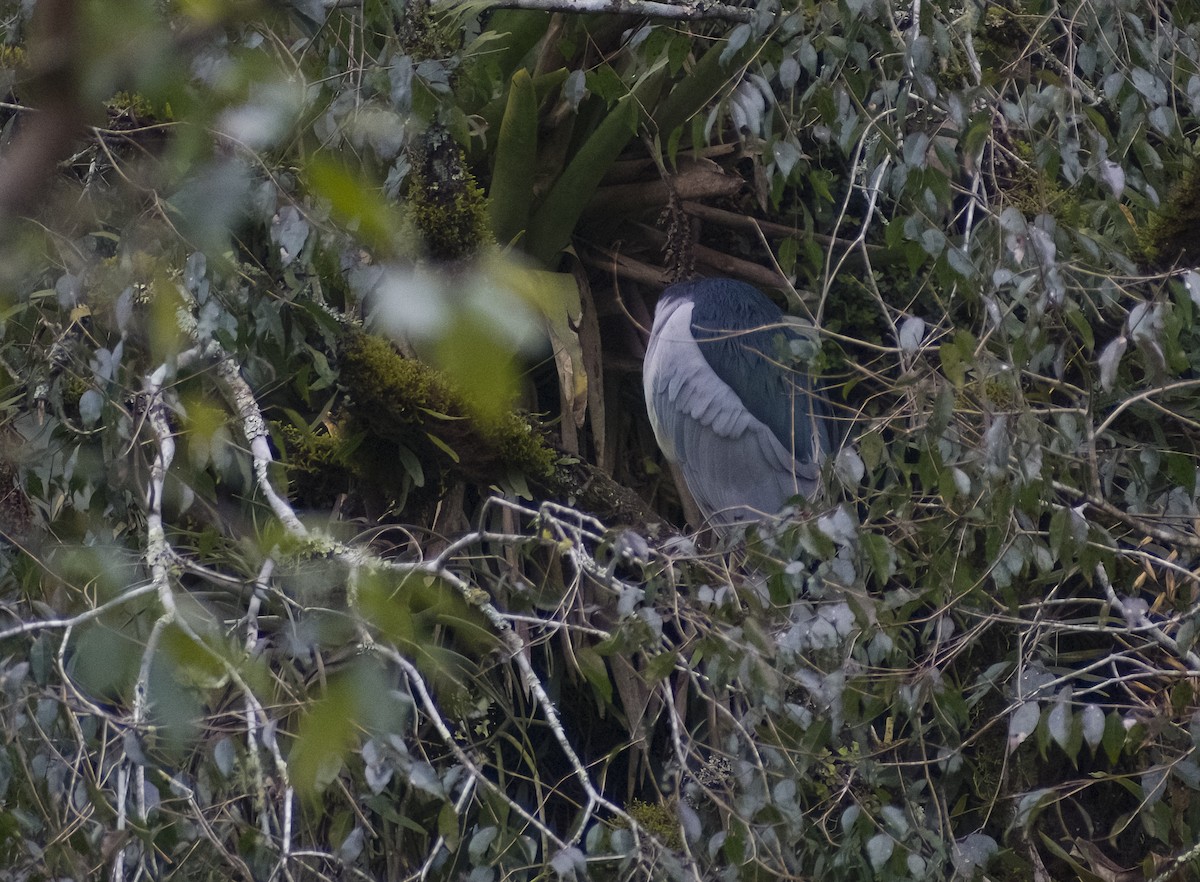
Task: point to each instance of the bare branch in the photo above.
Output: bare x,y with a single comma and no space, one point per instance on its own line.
695,10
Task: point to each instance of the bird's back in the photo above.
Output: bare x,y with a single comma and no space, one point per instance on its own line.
726,404
749,344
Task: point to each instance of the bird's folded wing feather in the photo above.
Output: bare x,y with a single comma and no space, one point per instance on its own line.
740,478
748,359
733,461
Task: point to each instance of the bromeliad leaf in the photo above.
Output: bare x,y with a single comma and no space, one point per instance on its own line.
511,193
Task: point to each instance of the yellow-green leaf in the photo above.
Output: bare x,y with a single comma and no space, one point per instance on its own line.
556,297
326,733
511,192
448,826
354,202
480,365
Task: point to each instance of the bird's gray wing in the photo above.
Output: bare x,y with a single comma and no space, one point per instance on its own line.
741,478
749,344
734,464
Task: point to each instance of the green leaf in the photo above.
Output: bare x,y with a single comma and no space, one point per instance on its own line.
606,83
1113,740
516,484
479,364
412,465
384,806
1081,325
1181,470
659,667
522,29
879,552
1060,533
1031,805
879,850
478,846
871,449
511,192
443,446
448,827
734,845
493,112
554,221
952,364
596,671
326,732
1059,852
699,87
789,249
1061,724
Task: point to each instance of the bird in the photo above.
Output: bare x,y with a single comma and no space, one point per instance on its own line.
728,406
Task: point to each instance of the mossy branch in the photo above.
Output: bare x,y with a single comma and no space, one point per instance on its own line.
407,402
403,400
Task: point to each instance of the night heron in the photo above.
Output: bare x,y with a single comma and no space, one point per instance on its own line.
729,404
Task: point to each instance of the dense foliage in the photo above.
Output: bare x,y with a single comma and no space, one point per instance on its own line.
336,544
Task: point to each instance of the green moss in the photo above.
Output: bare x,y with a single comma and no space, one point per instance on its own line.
1006,45
313,546
12,57
1002,28
1170,236
422,35
73,388
1000,392
856,313
404,400
131,103
320,466
310,451
13,69
445,203
1032,191
659,820
401,387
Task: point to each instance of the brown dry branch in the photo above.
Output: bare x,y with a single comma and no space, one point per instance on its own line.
772,229
721,263
624,266
696,179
